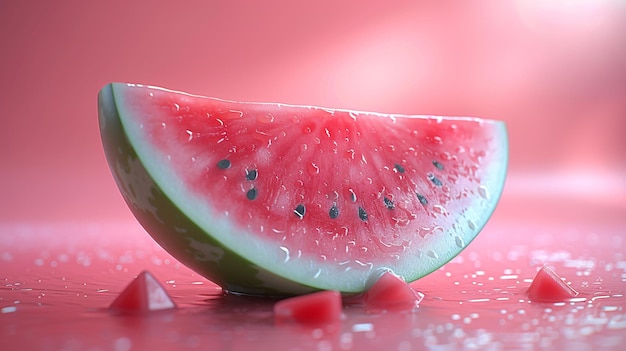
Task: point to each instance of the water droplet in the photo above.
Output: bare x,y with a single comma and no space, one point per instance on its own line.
459,241
307,130
471,224
317,141
399,168
439,209
352,195
268,118
313,168
223,164
483,192
349,154
286,251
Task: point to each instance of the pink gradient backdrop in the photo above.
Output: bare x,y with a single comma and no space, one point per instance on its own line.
555,71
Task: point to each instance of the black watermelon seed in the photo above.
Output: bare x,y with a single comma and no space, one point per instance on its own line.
438,165
252,194
334,212
251,174
434,179
389,204
300,210
362,214
223,164
399,168
422,199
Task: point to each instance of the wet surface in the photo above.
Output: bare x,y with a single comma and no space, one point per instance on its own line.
57,280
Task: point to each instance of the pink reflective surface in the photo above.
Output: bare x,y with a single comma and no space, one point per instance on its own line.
553,71
58,280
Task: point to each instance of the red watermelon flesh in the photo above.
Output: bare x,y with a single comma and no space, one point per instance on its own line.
392,293
315,308
143,294
548,286
317,197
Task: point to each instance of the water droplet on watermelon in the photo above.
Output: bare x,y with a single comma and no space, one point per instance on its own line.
317,141
349,154
286,251
313,168
471,224
459,241
399,168
352,195
439,209
268,118
307,130
483,192
446,156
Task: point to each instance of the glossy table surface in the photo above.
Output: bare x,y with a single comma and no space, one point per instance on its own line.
59,278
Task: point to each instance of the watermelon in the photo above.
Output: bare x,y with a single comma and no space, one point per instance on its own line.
548,286
275,199
390,292
144,294
320,307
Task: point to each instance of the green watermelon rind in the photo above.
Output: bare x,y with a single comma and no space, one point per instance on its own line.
175,219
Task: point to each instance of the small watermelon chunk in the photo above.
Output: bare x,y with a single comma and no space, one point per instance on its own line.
143,294
548,286
274,199
323,307
392,293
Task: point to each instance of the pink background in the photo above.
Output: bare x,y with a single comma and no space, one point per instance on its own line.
555,71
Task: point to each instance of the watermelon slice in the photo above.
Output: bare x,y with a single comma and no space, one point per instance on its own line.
144,294
316,308
392,293
276,199
548,286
